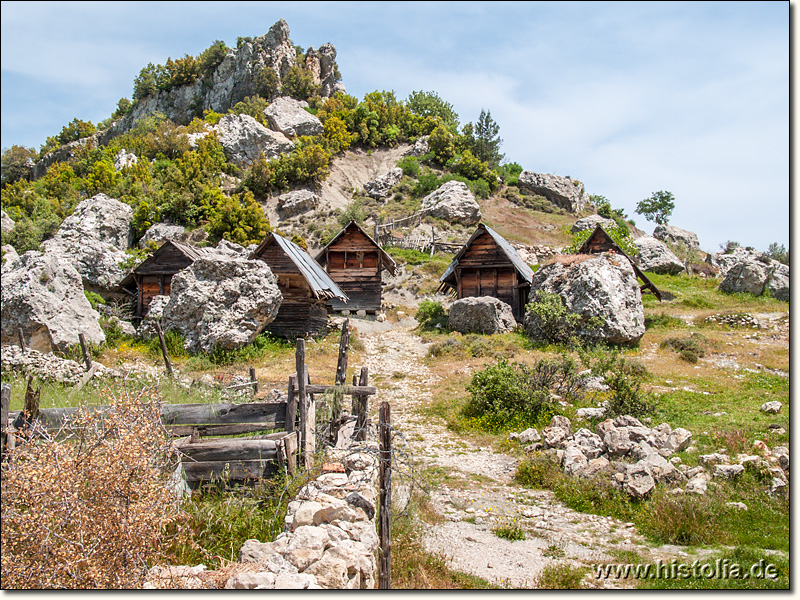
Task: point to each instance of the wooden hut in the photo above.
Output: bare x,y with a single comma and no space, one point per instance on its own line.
355,261
153,277
487,265
599,241
305,286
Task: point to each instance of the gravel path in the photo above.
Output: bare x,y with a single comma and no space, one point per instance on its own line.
479,494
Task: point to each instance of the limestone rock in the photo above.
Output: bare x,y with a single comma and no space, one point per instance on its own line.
297,202
306,546
380,187
483,314
44,296
747,275
574,461
219,300
710,460
6,222
639,480
591,413
155,312
656,257
420,147
528,436
590,443
330,572
161,232
10,256
676,236
778,281
771,408
678,440
564,192
453,202
698,484
124,159
728,471
602,286
618,442
245,140
289,117
94,237
591,222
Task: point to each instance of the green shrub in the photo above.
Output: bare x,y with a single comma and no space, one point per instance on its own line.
410,166
689,348
431,315
506,396
663,321
548,320
94,299
512,533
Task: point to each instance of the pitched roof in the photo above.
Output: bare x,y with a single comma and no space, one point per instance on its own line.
600,235
521,267
190,252
386,261
318,280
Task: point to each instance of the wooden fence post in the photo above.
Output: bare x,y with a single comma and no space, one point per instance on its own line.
360,404
291,404
167,362
307,408
384,518
22,341
5,403
254,380
341,373
87,358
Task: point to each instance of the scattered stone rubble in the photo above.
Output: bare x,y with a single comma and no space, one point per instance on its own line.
637,457
46,366
329,539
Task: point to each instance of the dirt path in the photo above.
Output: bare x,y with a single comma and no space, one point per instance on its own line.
480,493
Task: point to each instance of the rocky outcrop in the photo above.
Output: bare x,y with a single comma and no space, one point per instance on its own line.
669,234
6,222
591,222
749,271
160,233
94,238
482,314
43,295
421,146
47,366
453,202
235,78
289,117
656,257
778,281
221,301
380,188
155,311
563,192
245,140
297,202
124,159
602,286
10,256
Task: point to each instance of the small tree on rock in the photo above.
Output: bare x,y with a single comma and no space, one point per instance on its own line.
657,208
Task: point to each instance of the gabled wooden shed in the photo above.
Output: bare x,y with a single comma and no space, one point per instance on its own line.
355,261
487,265
599,241
153,277
305,286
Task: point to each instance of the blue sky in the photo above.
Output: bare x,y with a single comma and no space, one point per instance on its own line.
630,98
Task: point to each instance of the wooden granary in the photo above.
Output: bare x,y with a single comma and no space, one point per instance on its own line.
153,277
304,284
599,241
487,265
355,261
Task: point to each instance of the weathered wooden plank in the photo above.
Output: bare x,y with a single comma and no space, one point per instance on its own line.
215,430
347,390
385,482
212,471
229,450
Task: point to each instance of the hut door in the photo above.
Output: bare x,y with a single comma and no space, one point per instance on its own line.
488,282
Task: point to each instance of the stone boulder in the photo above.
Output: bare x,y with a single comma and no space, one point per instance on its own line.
482,314
778,281
591,222
6,222
639,481
245,140
453,202
599,285
10,256
161,232
44,296
564,192
220,300
421,146
669,234
155,312
656,257
289,117
380,187
297,202
94,237
124,159
747,275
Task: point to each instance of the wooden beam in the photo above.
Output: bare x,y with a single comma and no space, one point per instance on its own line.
385,507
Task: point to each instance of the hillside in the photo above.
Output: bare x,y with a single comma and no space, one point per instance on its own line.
552,411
